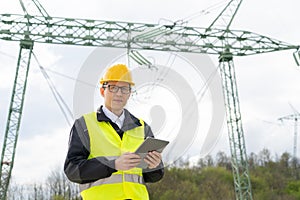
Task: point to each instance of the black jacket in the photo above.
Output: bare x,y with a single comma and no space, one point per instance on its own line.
81,170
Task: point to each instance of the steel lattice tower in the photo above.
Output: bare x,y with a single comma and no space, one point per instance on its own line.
217,39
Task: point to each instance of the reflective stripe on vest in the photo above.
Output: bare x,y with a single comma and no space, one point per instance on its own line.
105,142
115,178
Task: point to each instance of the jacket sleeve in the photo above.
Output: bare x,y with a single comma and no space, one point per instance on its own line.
152,175
78,168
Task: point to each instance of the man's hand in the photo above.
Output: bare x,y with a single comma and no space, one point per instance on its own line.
127,161
153,159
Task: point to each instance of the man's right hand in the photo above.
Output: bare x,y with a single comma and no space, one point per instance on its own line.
127,161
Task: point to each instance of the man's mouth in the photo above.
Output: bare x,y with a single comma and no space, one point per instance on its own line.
118,100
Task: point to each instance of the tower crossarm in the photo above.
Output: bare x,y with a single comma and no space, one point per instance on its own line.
101,33
290,117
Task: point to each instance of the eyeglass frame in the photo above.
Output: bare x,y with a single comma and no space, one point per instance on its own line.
118,88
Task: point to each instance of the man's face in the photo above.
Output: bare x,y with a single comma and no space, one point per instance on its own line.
114,98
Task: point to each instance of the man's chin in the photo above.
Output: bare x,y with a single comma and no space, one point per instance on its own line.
117,107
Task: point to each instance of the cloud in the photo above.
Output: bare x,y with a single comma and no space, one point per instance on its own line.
39,155
266,82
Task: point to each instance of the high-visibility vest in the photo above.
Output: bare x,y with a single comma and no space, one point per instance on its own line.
105,142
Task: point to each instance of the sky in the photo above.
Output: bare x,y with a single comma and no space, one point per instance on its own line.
268,84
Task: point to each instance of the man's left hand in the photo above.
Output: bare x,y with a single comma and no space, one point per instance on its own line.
153,159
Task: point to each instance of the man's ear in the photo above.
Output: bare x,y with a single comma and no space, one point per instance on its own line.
102,91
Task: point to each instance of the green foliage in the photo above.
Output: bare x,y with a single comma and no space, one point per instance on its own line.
293,188
210,180
58,197
192,183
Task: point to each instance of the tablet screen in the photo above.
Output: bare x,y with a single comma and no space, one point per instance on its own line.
152,144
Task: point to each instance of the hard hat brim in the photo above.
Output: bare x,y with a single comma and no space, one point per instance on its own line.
116,80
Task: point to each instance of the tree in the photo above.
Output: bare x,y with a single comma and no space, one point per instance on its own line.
60,187
223,160
252,160
264,157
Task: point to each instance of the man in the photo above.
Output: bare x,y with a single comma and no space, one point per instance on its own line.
100,156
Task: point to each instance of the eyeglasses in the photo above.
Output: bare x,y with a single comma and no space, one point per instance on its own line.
115,89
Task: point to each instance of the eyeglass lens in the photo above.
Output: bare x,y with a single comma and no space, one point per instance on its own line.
115,89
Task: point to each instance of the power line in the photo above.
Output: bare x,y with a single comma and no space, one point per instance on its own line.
58,98
69,77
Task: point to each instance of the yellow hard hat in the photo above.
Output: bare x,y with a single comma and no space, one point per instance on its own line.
118,72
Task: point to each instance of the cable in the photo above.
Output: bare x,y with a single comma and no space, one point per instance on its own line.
69,77
296,112
8,55
58,98
205,11
163,74
205,86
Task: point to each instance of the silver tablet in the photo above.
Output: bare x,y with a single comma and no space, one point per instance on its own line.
150,144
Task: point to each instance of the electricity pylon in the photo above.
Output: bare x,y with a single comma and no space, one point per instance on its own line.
294,117
217,39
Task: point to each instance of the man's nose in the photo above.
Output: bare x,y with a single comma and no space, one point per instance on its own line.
119,92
